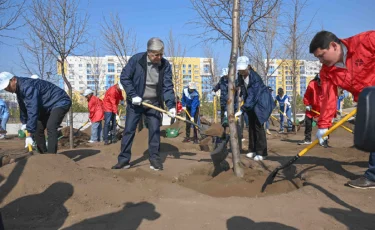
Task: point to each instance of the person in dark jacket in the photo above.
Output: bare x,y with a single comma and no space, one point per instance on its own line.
191,103
222,85
43,105
147,77
258,105
4,116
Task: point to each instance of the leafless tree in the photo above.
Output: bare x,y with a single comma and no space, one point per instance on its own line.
36,57
296,43
117,40
176,53
215,19
62,28
264,47
97,70
10,12
213,56
237,165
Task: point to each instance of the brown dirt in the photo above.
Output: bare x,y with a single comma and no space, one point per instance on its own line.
76,189
214,130
79,140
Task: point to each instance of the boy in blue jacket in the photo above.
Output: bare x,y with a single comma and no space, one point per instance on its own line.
190,103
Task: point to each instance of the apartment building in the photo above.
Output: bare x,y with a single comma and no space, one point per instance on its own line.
100,73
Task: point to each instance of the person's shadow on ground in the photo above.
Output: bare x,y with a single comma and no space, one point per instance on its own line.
79,154
45,210
244,223
129,218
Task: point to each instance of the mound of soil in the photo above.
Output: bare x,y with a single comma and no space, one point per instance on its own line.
79,140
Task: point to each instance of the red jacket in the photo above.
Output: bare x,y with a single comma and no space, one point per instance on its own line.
312,97
179,107
96,109
359,73
112,98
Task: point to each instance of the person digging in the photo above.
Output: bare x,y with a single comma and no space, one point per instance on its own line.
311,99
190,104
285,108
349,64
43,105
96,115
258,105
146,77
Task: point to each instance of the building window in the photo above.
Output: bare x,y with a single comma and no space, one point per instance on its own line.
118,65
189,66
196,66
183,66
189,72
206,68
111,67
183,71
88,65
196,71
71,65
118,70
176,66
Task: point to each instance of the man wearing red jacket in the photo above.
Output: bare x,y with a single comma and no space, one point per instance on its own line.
96,115
112,98
312,101
349,64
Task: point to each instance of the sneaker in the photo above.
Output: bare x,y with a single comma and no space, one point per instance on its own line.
243,139
121,166
156,165
304,142
259,158
251,155
186,140
362,183
268,132
281,131
91,141
2,137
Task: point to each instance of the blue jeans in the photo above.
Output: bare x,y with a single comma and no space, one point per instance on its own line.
3,121
96,130
133,114
370,173
109,125
267,124
289,115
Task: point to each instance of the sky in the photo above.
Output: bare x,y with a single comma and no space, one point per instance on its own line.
149,18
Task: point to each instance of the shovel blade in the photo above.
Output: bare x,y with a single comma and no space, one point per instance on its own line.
270,178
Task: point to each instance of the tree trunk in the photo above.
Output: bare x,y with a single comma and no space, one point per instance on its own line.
237,165
294,54
70,92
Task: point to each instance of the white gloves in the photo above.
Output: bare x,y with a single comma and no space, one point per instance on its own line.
320,134
308,108
192,119
23,127
213,93
239,113
136,100
284,114
225,114
29,141
172,113
184,108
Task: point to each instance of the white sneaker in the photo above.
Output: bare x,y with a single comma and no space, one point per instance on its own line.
91,141
251,155
2,137
243,139
259,158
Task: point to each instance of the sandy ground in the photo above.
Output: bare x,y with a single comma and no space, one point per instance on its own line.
76,189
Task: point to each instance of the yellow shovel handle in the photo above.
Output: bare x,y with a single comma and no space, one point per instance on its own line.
342,126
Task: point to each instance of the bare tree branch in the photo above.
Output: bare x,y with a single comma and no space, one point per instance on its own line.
9,15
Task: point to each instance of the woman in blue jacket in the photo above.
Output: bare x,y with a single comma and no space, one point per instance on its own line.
190,103
4,116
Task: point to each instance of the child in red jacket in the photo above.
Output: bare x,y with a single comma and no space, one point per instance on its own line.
96,115
312,102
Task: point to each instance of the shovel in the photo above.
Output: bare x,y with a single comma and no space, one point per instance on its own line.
273,174
293,123
76,133
342,126
166,112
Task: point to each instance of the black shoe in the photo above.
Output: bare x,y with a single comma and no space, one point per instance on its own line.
304,142
186,140
156,165
362,183
121,166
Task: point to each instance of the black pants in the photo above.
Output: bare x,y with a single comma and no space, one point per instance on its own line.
257,135
308,128
188,125
223,110
51,121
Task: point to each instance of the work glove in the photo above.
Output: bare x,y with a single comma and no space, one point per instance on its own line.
308,108
320,134
239,113
23,127
284,114
117,118
172,113
136,100
29,141
213,93
184,108
225,114
192,119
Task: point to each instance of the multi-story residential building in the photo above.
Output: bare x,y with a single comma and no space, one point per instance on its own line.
280,75
99,73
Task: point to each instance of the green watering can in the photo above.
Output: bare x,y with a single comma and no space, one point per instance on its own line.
172,132
21,134
313,123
